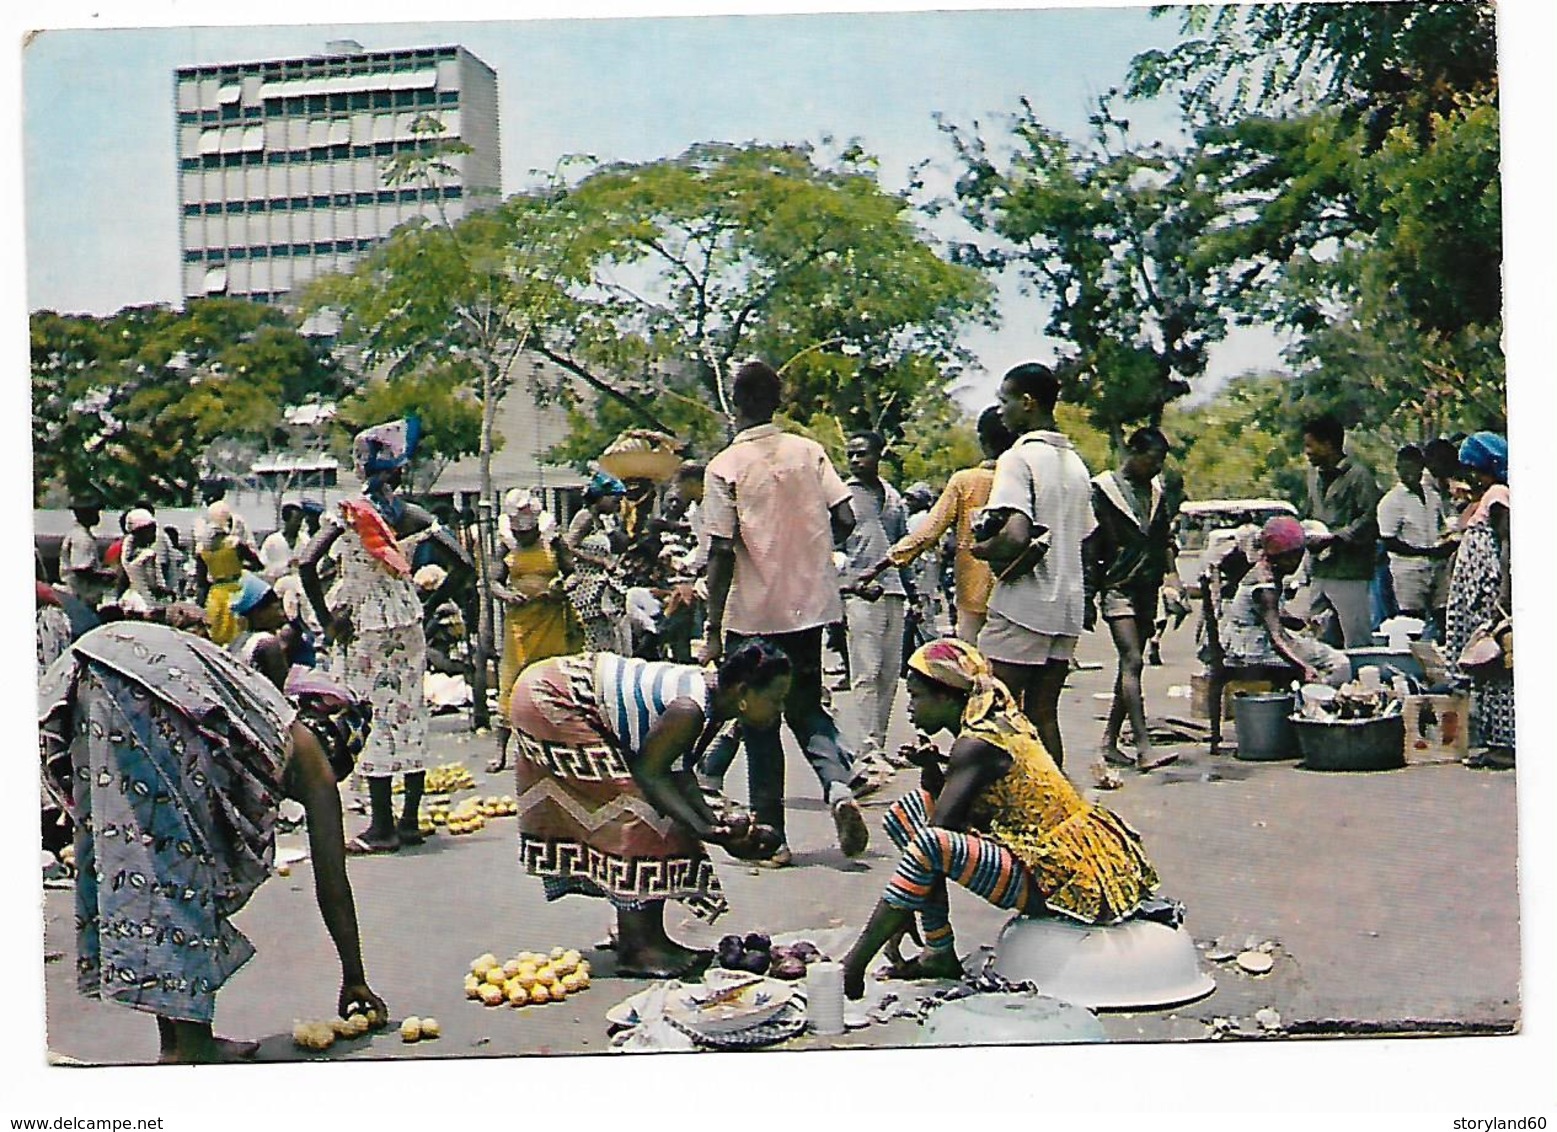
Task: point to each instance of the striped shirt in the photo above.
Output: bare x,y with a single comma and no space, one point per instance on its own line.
633,694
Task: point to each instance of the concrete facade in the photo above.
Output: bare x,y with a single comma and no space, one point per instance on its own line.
281,161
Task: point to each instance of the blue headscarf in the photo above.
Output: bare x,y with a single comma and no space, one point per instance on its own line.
603,484
1486,452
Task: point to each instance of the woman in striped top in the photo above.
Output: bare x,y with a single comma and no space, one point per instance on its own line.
603,809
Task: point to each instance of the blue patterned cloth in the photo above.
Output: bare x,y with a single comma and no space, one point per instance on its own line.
168,755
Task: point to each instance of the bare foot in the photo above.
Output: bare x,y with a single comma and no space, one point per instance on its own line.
662,961
939,964
1111,753
209,1051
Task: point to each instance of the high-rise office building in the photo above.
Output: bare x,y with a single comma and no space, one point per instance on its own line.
282,162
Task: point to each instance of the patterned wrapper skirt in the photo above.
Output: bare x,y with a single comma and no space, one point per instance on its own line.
385,667
584,824
174,832
1473,599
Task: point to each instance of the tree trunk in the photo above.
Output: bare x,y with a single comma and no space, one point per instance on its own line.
485,633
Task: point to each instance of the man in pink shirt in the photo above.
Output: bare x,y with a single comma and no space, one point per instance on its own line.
775,508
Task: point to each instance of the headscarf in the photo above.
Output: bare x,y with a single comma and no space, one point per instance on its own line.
430,577
252,589
138,518
1281,535
385,446
1486,452
959,665
603,484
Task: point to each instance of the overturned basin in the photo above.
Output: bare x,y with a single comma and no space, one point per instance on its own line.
1137,965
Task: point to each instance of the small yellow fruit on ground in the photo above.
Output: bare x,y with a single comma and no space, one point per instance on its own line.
571,957
558,952
512,967
557,991
496,977
341,1027
431,1029
358,1024
583,979
519,996
373,1018
491,996
571,982
283,870
480,966
472,987
539,994
411,1029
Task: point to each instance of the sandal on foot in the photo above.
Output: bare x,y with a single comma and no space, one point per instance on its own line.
1159,758
1117,757
360,847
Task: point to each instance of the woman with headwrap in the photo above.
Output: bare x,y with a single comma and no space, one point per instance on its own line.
1253,631
1479,594
538,622
1000,819
600,514
221,554
173,758
374,618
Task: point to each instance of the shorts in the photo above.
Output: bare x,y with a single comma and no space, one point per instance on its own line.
1137,602
1004,640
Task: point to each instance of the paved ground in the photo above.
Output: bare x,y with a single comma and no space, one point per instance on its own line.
1391,900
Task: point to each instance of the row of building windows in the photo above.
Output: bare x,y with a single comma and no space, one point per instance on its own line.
342,66
280,251
338,200
308,156
323,103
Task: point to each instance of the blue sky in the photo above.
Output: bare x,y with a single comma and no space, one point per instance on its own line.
104,186
98,128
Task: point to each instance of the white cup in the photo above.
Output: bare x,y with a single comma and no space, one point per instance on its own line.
824,998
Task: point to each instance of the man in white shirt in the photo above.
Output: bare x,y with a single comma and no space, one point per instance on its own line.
82,570
279,553
1410,526
1043,490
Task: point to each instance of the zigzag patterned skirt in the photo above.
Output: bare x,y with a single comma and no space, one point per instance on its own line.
585,826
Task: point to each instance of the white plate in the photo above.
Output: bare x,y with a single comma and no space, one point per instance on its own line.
755,1003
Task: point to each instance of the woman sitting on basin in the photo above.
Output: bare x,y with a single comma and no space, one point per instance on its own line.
1000,819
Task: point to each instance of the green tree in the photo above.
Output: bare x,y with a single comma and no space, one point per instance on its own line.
1355,148
129,406
728,251
1109,232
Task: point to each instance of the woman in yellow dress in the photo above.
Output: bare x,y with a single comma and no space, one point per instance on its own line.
538,619
222,556
1001,820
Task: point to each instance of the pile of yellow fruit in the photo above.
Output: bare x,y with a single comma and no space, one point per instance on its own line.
443,779
528,979
320,1036
469,815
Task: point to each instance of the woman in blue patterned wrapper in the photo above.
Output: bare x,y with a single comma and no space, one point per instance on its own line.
172,758
603,809
1480,594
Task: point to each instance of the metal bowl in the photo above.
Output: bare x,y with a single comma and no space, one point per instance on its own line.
1010,1019
1138,964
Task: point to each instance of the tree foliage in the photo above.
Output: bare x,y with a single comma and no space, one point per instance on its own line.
1110,233
129,406
695,262
1355,149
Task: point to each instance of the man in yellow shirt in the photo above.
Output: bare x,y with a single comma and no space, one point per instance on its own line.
966,493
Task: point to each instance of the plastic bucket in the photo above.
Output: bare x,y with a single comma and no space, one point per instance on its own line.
1352,744
1264,731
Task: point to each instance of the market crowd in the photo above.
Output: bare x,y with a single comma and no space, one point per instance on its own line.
677,625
